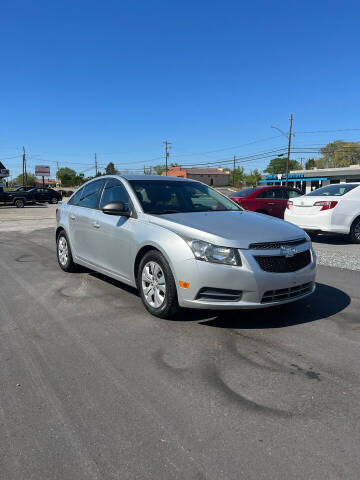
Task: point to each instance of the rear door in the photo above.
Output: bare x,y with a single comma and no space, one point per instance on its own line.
273,201
82,222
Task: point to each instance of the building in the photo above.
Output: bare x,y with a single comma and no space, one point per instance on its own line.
309,180
48,182
217,177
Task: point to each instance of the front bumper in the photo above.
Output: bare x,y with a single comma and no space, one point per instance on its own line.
250,280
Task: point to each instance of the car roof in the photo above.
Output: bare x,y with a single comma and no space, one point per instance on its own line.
159,178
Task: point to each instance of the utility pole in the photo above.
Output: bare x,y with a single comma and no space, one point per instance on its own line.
289,149
167,154
96,169
234,170
24,168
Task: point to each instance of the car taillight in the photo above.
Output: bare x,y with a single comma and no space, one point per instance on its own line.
235,199
325,205
289,204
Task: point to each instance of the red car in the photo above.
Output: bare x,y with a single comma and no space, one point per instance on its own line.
270,200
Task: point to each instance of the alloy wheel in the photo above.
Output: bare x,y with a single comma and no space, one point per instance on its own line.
63,251
357,230
153,284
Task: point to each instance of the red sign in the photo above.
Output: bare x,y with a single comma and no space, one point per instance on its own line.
42,171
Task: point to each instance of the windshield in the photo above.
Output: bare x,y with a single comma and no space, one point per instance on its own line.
161,197
244,192
336,190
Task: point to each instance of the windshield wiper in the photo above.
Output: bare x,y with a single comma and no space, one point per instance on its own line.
162,212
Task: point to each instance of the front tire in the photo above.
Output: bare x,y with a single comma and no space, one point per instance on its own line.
64,254
355,231
157,285
54,201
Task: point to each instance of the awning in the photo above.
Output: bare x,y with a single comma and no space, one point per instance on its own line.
303,179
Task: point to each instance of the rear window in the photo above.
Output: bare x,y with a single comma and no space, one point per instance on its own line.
332,190
244,193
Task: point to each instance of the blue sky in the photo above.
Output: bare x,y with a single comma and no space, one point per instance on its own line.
119,77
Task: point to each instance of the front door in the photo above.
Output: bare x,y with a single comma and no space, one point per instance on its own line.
114,233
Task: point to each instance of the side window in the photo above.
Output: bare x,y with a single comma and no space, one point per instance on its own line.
90,194
74,200
114,191
266,194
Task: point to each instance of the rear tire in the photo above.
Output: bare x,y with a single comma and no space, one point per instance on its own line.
64,254
156,285
19,203
355,231
54,201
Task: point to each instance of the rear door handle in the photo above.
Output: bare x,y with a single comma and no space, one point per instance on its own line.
270,203
96,225
72,217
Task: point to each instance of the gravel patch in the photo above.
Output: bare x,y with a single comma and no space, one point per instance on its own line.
337,259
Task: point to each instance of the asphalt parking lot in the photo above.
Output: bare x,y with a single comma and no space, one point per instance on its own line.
93,387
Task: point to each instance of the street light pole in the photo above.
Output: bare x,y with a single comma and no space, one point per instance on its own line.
288,136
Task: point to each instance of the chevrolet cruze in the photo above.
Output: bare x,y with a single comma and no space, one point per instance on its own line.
183,244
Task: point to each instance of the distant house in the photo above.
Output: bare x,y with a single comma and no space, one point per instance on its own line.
217,177
48,182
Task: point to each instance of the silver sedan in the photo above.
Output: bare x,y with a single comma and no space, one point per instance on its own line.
183,244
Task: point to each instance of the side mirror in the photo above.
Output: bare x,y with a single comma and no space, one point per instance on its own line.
116,208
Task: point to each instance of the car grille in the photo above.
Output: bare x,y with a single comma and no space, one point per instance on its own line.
276,245
286,293
282,264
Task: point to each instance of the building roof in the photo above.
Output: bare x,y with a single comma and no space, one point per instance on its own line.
206,171
352,170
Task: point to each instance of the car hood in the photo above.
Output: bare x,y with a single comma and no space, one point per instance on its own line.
232,229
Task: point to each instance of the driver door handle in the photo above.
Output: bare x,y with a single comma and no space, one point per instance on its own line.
72,217
96,225
271,203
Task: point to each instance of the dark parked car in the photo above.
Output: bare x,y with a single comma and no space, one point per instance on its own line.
23,189
270,200
45,195
19,199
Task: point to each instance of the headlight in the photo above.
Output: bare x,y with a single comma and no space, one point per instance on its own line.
212,253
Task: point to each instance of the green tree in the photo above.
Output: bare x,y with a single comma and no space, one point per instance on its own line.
339,154
31,179
253,177
110,169
310,164
67,176
159,169
278,165
237,176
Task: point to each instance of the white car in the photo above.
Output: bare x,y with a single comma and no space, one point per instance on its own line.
334,208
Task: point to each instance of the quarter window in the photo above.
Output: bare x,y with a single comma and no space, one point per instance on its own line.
74,200
293,194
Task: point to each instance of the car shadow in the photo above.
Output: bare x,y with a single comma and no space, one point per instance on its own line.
111,281
323,303
332,239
